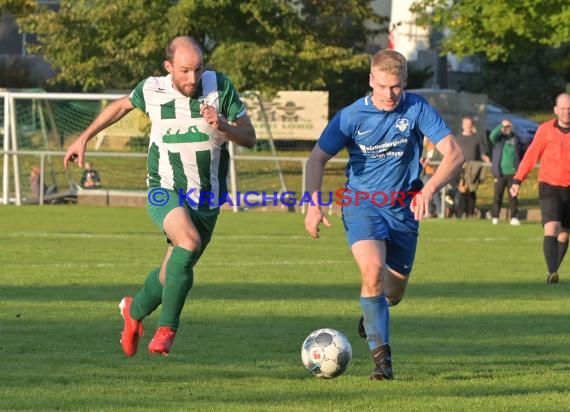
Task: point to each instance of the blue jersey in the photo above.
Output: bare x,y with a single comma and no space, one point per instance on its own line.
384,147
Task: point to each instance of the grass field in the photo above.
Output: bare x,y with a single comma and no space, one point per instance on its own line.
479,328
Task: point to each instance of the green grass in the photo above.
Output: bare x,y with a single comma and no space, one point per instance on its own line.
479,329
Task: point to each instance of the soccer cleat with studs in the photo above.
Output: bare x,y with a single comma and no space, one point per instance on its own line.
383,360
162,341
132,329
552,277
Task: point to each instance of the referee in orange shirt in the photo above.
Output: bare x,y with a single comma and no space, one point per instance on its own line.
551,147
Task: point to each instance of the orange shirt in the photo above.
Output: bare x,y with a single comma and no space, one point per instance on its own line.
551,147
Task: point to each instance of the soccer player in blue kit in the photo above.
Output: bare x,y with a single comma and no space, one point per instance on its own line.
384,199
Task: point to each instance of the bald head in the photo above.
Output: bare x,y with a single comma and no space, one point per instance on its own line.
562,110
562,99
180,43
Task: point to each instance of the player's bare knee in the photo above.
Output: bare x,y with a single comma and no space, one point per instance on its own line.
190,240
371,273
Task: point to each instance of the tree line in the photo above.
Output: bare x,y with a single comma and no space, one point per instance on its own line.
271,45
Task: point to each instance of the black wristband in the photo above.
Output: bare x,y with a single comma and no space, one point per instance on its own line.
517,182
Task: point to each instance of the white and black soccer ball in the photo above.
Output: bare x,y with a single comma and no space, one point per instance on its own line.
326,353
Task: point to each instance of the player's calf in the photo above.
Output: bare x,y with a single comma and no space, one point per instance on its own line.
361,330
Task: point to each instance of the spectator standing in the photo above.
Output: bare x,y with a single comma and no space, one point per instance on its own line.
474,151
505,160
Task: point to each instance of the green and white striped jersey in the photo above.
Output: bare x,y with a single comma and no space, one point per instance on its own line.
185,154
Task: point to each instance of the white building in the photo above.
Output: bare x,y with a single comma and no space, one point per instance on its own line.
405,36
419,44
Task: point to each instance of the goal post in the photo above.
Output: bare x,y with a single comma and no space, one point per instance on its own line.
40,121
5,131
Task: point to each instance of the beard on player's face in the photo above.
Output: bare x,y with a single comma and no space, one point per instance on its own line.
187,88
185,71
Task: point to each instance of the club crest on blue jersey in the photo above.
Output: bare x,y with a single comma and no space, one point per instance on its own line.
402,124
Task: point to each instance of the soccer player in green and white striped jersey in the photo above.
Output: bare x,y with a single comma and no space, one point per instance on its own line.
194,115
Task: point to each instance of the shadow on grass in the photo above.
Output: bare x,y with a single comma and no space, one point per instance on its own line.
211,322
222,355
288,291
265,345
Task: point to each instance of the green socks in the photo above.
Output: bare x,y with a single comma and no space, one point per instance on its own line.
178,282
149,297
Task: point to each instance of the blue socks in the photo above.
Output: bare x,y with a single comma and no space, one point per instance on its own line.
376,320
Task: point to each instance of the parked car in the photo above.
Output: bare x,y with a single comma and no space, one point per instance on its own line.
524,128
453,104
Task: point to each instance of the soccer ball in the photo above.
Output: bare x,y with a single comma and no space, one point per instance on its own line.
326,353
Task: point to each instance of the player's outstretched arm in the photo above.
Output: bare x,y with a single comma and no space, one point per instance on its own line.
313,183
110,114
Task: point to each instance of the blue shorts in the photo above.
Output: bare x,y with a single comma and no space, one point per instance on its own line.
368,222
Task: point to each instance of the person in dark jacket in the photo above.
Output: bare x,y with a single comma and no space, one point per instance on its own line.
474,151
505,160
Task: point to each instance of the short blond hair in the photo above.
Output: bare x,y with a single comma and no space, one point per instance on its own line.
390,61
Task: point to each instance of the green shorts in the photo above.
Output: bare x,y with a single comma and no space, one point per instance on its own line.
204,220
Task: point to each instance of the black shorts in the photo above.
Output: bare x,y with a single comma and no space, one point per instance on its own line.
554,204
